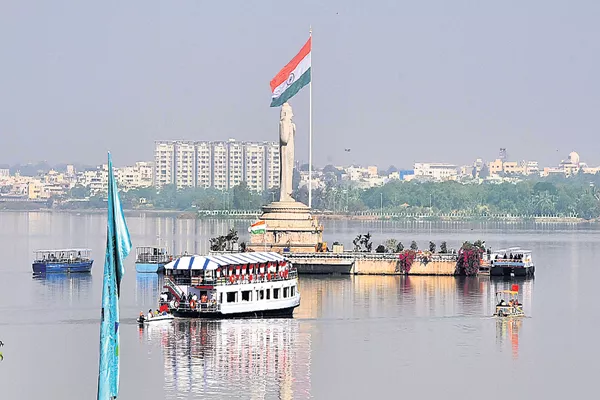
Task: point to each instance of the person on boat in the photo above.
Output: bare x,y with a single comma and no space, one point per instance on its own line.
502,302
149,314
164,309
141,318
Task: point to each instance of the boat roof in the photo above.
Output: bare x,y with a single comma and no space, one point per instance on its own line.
512,250
508,291
213,262
60,250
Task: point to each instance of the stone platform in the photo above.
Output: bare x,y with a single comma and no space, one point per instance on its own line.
290,226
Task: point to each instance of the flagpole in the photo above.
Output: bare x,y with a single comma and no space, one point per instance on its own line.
310,127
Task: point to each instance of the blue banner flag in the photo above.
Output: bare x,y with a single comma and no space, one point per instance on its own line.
118,246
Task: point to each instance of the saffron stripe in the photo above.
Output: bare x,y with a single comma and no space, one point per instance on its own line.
292,90
283,75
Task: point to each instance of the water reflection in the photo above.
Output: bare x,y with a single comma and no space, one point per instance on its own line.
61,288
507,329
147,288
260,358
406,296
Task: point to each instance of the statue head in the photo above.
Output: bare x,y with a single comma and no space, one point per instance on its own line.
286,112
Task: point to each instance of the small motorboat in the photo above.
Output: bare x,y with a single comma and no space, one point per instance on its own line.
511,308
142,319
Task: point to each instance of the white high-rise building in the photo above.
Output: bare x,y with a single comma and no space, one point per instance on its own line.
185,164
272,170
236,162
221,165
164,159
254,167
204,159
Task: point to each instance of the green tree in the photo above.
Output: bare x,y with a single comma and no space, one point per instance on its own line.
242,197
79,192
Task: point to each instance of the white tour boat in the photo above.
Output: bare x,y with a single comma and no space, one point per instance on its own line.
512,261
232,285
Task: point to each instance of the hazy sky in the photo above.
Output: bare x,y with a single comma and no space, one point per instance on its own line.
395,81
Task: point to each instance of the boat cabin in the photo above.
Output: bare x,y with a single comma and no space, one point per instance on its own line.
152,255
512,254
62,256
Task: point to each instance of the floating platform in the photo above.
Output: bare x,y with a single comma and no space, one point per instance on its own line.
356,263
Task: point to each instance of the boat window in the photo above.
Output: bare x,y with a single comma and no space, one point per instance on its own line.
286,292
268,294
275,293
231,297
260,294
293,291
246,295
221,298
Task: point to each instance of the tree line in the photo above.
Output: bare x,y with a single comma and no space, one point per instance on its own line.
574,196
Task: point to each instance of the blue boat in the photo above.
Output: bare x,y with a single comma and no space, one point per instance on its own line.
62,260
151,259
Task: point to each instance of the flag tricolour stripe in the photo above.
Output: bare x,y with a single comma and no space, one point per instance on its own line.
293,77
258,227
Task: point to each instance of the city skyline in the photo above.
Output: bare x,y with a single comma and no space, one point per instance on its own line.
447,81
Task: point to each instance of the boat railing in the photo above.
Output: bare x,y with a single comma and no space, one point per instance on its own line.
232,279
153,259
63,260
210,306
173,286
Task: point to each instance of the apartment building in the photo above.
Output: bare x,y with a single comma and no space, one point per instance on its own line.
254,167
273,167
164,160
185,164
436,171
220,164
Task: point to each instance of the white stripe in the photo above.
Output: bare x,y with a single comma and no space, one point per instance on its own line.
300,69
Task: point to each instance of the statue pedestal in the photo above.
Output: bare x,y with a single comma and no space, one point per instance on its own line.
289,226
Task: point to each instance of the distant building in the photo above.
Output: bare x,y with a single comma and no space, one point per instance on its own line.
436,171
218,164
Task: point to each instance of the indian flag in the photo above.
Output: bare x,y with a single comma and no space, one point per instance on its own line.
258,227
292,77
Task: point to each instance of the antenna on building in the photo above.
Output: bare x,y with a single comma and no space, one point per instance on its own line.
502,155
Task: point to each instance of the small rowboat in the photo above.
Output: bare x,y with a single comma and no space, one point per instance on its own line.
158,318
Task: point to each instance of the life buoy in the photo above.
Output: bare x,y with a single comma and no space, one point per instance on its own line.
269,276
231,278
286,274
176,304
192,303
250,278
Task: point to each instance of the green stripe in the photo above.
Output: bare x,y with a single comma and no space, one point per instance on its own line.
292,90
258,231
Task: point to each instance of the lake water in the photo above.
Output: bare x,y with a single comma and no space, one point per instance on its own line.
351,338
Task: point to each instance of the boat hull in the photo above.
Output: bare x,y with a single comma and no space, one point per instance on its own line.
277,313
74,267
149,268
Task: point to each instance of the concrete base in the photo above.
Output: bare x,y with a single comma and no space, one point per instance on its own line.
290,227
369,264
